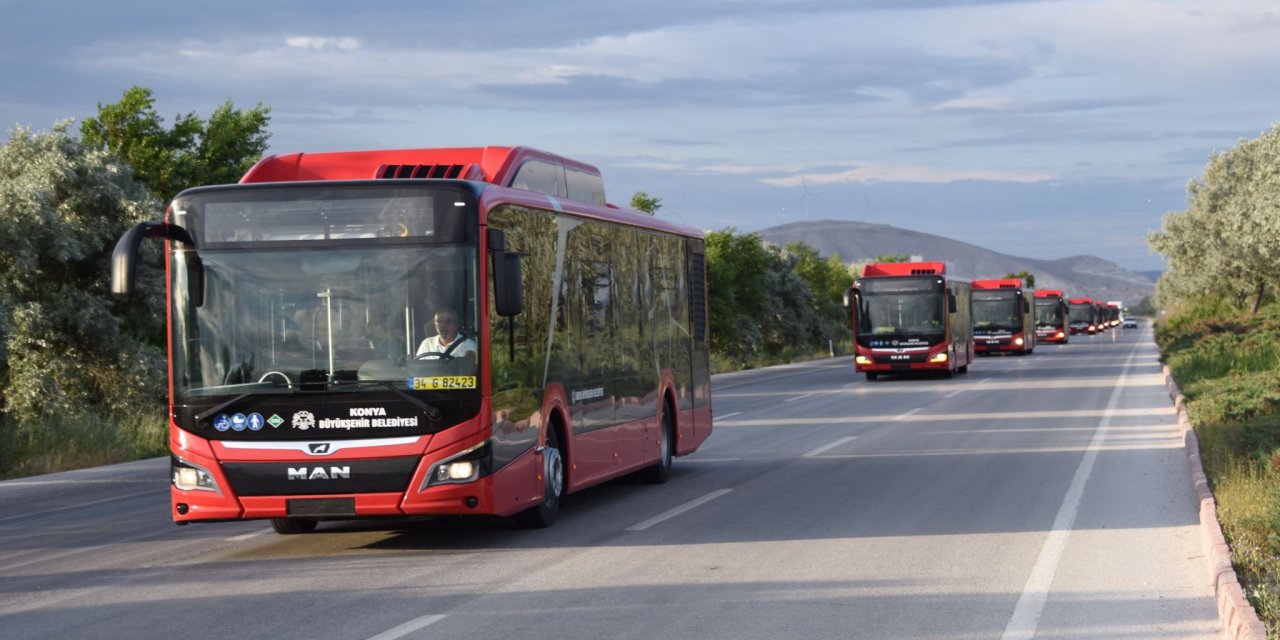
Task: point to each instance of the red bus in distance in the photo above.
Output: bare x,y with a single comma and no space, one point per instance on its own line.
1003,317
1052,315
421,332
1083,315
910,316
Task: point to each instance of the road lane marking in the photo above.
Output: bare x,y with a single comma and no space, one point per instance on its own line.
407,628
854,382
827,447
667,515
1026,614
727,416
801,397
911,412
955,393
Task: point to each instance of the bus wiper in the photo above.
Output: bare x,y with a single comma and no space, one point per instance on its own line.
433,414
200,417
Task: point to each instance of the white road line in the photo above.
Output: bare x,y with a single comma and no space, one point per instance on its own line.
1026,615
985,380
726,416
801,397
853,383
954,393
246,536
667,515
407,628
911,412
827,447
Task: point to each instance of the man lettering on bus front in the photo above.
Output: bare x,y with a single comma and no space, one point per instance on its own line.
447,343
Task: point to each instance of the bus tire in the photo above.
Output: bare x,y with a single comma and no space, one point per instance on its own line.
964,369
292,526
544,514
660,472
872,375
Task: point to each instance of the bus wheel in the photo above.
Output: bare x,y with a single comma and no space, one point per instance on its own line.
661,470
544,514
964,369
290,526
872,375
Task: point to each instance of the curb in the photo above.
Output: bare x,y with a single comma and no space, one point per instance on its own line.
1239,620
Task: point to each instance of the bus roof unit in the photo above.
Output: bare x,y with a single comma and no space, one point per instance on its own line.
904,269
1048,293
1000,283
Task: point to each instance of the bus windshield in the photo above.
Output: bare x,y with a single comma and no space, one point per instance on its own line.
905,309
996,311
325,289
1048,313
1081,313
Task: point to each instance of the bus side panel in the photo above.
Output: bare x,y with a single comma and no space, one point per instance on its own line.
696,429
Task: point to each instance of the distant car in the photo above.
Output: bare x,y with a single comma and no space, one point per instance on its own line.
1131,323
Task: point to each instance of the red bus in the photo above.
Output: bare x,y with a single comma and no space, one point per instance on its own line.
1083,315
309,309
1052,315
1003,319
910,316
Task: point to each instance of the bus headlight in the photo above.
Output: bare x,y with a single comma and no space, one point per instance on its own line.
1061,334
862,360
461,468
1017,341
939,357
189,476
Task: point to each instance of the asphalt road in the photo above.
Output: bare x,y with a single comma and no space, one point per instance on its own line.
1044,496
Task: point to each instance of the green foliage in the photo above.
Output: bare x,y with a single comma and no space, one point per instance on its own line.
1227,362
70,353
769,304
642,201
1226,244
1028,279
192,153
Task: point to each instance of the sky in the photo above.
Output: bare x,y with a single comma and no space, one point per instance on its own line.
1037,129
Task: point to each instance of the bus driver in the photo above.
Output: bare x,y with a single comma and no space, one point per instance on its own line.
447,342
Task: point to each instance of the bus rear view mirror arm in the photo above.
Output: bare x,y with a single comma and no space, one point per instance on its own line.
125,256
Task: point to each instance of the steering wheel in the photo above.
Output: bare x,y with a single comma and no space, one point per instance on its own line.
435,355
268,374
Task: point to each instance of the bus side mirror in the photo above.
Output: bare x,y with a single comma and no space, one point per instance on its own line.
124,257
848,298
1026,306
952,307
508,289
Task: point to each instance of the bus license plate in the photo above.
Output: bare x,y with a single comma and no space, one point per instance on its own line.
320,507
437,383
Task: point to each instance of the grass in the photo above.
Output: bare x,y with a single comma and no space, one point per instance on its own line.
76,443
1228,366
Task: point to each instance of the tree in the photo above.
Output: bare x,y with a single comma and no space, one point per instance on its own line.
69,348
1226,244
192,153
642,201
1028,279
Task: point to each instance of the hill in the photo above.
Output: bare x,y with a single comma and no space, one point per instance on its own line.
859,241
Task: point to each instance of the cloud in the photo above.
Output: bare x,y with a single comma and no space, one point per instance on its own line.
321,43
871,173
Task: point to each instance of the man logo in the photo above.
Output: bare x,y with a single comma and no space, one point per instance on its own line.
318,448
319,473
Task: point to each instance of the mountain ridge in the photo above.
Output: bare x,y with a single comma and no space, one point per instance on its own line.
1077,276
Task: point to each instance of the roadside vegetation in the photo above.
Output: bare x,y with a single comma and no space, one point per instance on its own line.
82,373
1220,336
